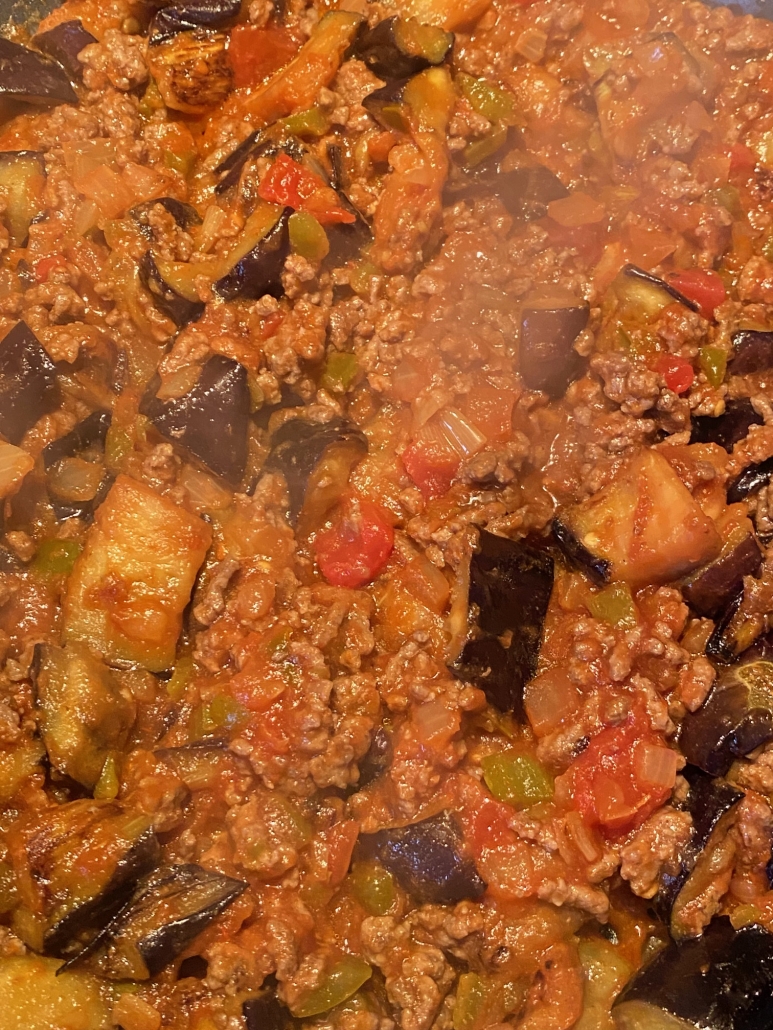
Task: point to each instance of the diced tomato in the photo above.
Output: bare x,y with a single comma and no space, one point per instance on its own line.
341,839
256,53
677,372
432,463
46,266
742,158
702,286
605,783
289,184
587,240
357,545
491,410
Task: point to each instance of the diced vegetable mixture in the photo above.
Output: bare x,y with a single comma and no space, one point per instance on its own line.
386,515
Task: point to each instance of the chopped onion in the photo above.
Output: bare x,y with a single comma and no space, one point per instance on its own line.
407,382
582,837
656,765
435,724
74,479
576,210
204,492
531,44
550,698
14,466
211,229
464,437
86,217
427,404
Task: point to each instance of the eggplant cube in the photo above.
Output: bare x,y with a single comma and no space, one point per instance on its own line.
723,980
428,860
645,524
511,585
212,420
28,384
548,360
126,595
752,352
726,429
29,76
167,911
84,713
713,588
735,719
64,42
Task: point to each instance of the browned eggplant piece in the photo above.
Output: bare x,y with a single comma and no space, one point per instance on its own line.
29,388
347,239
88,432
710,803
193,14
386,105
634,272
752,352
191,70
721,981
265,1012
22,180
211,421
260,271
735,719
428,860
167,911
726,429
377,759
85,857
185,215
398,48
257,144
722,647
713,588
85,714
298,447
599,569
510,585
548,360
64,42
171,303
752,479
525,192
29,76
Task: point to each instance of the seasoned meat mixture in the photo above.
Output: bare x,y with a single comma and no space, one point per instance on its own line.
386,519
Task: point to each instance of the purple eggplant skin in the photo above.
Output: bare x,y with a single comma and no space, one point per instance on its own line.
172,304
733,721
708,800
265,1012
721,647
89,431
752,352
752,479
384,104
710,592
347,239
379,49
510,584
29,76
297,447
211,422
722,981
186,899
525,192
428,860
29,387
191,15
634,272
185,215
599,569
64,42
548,360
727,429
377,759
260,272
70,935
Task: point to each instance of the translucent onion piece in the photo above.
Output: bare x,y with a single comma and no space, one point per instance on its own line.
464,437
655,765
14,466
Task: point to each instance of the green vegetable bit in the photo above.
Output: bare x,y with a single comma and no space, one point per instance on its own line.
307,123
517,779
342,981
470,999
56,557
713,364
222,712
615,605
373,887
108,784
481,149
339,372
490,101
307,237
